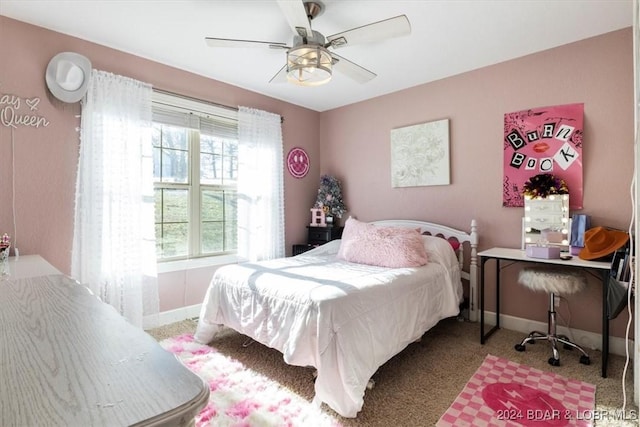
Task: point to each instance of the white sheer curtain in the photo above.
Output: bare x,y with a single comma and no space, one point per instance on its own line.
114,238
260,185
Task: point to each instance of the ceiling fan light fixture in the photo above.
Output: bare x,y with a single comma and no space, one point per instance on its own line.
309,65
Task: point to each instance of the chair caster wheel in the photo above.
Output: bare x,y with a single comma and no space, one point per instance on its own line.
554,362
520,347
585,360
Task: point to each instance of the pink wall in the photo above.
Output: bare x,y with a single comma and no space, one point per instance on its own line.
46,157
597,71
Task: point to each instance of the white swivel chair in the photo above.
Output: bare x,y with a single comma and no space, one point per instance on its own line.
555,282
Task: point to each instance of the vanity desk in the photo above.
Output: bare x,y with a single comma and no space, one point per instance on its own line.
500,255
68,359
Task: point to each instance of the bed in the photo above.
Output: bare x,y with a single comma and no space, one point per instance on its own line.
343,318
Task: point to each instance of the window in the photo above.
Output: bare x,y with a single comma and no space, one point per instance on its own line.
195,154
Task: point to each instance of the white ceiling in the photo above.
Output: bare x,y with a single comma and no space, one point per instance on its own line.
448,36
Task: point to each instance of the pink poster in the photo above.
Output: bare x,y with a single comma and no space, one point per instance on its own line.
543,140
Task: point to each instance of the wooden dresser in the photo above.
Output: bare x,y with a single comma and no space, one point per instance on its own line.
67,359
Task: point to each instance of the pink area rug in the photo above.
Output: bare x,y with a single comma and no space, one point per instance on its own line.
505,393
239,396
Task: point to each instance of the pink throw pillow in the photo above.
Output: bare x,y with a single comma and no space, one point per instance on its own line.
393,247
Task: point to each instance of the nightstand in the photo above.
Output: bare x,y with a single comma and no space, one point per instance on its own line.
321,235
299,249
317,236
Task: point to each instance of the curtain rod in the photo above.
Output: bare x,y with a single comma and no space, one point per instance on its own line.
190,98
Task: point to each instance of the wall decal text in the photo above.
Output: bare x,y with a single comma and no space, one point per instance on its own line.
14,112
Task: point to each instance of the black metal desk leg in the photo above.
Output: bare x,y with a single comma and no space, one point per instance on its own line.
497,294
605,322
483,336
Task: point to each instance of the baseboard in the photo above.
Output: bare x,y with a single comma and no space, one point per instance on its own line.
178,314
585,339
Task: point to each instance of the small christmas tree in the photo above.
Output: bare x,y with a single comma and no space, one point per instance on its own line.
330,197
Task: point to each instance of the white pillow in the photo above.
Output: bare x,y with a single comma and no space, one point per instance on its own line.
439,250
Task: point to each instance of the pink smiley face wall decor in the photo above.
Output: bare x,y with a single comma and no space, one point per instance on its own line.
298,162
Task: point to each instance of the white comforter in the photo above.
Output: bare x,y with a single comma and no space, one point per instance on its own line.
344,319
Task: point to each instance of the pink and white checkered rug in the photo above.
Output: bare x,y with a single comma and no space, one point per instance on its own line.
504,393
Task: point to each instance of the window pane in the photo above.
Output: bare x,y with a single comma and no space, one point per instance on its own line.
211,145
174,137
231,235
230,170
218,160
230,148
210,169
230,161
157,164
212,205
219,225
230,205
159,253
157,194
212,237
175,205
172,216
231,223
174,166
170,155
171,240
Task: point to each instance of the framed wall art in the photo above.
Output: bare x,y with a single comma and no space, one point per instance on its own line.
420,155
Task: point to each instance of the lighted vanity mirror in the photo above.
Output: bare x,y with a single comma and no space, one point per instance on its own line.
546,221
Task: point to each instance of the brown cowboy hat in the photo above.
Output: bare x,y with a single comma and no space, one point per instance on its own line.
600,242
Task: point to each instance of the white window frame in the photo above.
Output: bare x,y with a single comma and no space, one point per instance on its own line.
191,111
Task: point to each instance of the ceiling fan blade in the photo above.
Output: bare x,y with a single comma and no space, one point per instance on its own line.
217,42
280,77
381,30
296,16
351,69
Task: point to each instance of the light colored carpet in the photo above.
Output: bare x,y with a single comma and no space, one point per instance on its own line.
417,386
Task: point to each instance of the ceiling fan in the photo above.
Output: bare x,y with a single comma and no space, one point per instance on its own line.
309,60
